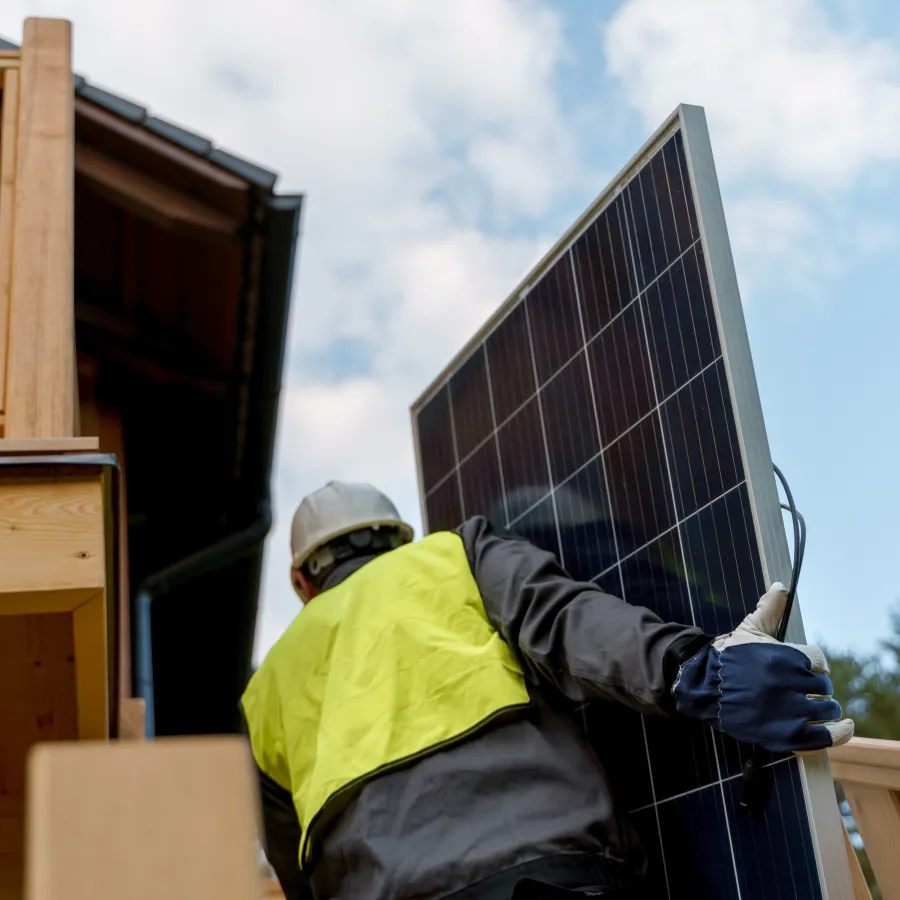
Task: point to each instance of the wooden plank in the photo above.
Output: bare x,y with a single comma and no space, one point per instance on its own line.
51,536
877,815
40,391
860,773
91,670
37,689
8,127
165,818
151,199
105,421
868,751
860,888
27,603
41,446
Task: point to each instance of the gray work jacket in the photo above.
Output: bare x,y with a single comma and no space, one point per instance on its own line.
526,790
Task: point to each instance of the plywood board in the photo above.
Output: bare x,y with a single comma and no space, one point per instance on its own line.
151,820
51,536
40,389
37,689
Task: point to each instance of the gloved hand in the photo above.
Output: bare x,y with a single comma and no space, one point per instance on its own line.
760,691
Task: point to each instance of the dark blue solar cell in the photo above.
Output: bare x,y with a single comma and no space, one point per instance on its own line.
624,757
471,403
639,484
702,441
682,756
442,506
603,270
482,488
645,228
696,846
680,323
435,439
773,848
654,577
679,191
620,371
555,320
586,527
522,452
668,249
595,277
510,364
569,419
723,568
646,825
538,525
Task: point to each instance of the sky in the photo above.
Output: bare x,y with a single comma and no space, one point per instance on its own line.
444,147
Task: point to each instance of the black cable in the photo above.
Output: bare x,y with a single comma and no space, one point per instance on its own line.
799,526
755,786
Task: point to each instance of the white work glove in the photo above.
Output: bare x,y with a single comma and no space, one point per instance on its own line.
756,689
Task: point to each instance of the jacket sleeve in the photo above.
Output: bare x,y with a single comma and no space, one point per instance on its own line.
281,832
281,840
589,644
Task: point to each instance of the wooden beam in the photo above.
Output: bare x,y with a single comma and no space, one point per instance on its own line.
877,815
40,391
122,343
51,536
54,446
161,159
9,117
860,888
151,199
91,684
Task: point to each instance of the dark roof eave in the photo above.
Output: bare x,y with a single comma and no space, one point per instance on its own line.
188,140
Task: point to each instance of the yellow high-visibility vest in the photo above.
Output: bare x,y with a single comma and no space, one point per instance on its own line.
397,661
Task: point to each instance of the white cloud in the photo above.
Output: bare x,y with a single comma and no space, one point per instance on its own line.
785,91
800,113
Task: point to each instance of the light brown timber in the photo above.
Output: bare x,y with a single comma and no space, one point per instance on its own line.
40,391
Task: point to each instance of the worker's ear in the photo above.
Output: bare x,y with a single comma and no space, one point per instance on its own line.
305,587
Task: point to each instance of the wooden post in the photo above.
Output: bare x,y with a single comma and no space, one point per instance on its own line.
9,120
869,773
40,383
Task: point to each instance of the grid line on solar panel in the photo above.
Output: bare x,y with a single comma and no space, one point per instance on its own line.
515,443
707,784
544,388
518,390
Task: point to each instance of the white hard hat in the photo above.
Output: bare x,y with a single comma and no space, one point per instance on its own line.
336,510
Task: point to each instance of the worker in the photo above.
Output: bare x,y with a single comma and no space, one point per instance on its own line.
408,730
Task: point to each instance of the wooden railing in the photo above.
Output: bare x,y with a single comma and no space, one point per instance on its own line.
869,772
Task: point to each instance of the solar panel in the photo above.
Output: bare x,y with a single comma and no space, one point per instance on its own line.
609,411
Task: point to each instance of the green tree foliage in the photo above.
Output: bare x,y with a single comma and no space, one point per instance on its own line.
868,688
